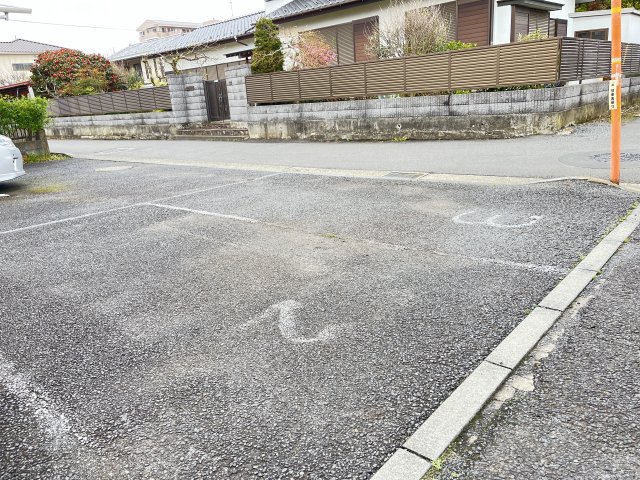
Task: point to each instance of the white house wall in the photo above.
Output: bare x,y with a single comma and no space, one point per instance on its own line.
216,55
6,65
568,8
501,24
600,20
631,28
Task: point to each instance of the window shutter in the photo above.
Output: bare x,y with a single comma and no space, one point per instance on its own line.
538,20
474,22
346,50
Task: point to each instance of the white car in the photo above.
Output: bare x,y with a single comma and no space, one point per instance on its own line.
10,160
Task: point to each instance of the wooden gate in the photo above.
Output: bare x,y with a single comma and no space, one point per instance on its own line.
215,93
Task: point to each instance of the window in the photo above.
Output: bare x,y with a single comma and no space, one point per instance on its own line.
557,27
528,20
601,34
348,40
21,67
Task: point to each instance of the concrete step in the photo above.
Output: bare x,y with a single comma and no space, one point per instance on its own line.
216,125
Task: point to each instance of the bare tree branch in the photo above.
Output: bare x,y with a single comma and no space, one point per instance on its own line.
192,54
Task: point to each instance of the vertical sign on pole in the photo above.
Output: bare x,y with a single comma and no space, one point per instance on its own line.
615,90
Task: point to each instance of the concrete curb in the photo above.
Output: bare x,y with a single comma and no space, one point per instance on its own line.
433,437
327,172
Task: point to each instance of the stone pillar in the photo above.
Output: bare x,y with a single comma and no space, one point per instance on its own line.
188,102
237,92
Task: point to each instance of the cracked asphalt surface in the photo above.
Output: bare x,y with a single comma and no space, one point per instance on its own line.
578,417
189,322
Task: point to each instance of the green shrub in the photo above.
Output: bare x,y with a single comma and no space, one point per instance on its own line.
267,54
23,112
535,35
134,80
458,45
89,82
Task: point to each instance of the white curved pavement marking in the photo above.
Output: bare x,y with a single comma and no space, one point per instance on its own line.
54,424
285,314
492,221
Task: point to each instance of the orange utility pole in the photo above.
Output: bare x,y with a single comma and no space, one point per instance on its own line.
615,89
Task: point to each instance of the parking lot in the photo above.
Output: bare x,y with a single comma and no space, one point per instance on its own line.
188,322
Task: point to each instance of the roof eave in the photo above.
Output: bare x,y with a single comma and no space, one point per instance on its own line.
535,4
319,11
169,52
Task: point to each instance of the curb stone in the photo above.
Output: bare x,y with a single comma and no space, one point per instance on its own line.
444,425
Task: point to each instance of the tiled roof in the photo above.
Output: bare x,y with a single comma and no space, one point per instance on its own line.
226,30
25,46
299,7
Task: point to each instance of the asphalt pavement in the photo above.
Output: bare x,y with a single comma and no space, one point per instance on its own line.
573,413
163,321
579,151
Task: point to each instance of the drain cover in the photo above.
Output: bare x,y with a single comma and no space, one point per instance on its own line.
404,175
624,157
599,160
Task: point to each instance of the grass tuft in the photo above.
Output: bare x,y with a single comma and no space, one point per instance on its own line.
50,188
33,158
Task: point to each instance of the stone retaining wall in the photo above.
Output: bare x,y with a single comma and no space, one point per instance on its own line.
37,145
150,125
188,107
502,114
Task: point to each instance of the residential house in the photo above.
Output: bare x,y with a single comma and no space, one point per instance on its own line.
151,29
19,89
220,44
483,22
17,57
344,24
597,25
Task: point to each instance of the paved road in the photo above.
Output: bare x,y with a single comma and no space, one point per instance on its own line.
583,153
183,322
581,418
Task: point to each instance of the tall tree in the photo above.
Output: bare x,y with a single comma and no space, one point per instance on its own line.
267,54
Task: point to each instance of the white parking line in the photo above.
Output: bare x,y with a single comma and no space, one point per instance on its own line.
203,212
111,210
202,190
68,219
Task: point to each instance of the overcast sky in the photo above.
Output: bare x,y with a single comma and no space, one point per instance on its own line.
124,16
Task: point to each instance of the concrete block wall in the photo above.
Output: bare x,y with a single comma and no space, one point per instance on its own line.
237,92
188,101
501,114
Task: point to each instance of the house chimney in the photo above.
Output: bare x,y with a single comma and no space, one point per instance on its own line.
272,5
